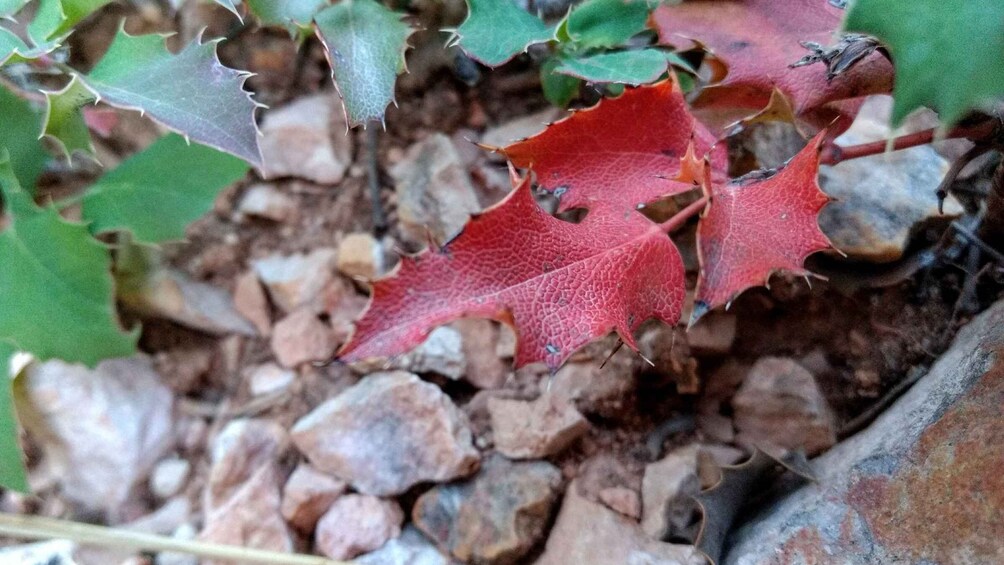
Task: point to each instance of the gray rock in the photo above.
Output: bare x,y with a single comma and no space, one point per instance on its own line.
880,198
55,552
441,353
169,476
922,484
495,517
306,139
779,405
101,430
434,191
388,433
269,379
172,295
410,548
589,533
667,491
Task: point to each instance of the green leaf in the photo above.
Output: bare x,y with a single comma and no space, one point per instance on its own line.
10,7
64,123
948,54
498,30
56,295
156,193
623,67
365,44
21,126
559,89
55,18
606,23
191,92
291,13
13,474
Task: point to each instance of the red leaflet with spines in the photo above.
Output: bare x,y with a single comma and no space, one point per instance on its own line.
757,41
620,154
753,228
560,285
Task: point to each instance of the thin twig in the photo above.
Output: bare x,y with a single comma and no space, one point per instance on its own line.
975,239
39,527
833,153
373,179
683,215
953,173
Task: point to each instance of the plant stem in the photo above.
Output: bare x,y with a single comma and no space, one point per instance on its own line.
683,215
833,153
38,527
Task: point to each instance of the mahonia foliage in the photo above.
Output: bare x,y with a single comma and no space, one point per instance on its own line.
753,43
561,285
513,262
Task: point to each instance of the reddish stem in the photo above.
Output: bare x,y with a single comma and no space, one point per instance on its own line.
683,215
833,153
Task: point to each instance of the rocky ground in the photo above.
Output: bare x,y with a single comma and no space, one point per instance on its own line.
235,426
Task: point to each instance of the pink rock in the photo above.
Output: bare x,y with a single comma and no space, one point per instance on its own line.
623,500
302,337
242,448
530,430
780,405
265,201
306,139
388,433
251,517
307,495
298,280
360,256
251,302
589,533
357,524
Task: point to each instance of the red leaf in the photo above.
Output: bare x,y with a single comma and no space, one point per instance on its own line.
753,228
756,41
620,154
560,285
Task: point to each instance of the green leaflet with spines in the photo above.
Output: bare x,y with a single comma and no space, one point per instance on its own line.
10,7
622,67
559,89
190,92
22,123
605,23
948,54
56,294
56,18
364,43
498,30
64,123
290,14
13,474
157,192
